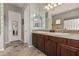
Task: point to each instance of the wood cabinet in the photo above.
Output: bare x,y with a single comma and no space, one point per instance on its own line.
40,43
56,41
50,47
55,46
34,39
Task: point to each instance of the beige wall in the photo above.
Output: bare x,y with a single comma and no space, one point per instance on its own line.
1,27
28,20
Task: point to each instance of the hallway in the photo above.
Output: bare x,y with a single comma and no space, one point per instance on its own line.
17,48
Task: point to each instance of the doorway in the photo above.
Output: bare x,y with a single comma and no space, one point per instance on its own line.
14,26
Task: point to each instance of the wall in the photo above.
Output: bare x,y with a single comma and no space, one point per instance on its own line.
28,21
1,26
48,21
22,26
8,7
26,24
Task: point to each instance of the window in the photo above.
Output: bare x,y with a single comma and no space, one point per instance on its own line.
58,21
72,24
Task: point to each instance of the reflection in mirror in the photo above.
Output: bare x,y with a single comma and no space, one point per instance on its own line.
15,27
37,21
71,24
58,21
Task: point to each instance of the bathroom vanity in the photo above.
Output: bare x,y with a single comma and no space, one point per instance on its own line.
56,44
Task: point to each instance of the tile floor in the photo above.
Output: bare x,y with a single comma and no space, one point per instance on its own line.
18,48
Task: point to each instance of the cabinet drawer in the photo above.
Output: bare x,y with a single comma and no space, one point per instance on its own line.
34,39
59,40
50,47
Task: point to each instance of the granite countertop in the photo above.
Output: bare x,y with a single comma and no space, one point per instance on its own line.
56,34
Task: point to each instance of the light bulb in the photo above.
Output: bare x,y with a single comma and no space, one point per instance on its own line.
49,5
55,5
52,3
46,7
59,3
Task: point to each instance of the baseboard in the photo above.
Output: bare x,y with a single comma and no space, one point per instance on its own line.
2,49
7,42
11,41
30,46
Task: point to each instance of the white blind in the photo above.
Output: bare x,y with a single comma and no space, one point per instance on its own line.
72,24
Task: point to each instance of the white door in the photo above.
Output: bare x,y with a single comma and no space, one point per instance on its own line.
14,26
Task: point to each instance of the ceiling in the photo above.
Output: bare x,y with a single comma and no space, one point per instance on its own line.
21,5
60,9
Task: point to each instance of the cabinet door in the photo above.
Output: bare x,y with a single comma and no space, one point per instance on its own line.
58,50
68,50
74,43
34,39
40,42
50,47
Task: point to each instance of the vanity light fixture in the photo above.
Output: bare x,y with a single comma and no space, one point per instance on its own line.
51,5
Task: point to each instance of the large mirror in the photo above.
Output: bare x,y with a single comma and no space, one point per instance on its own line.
37,21
15,27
